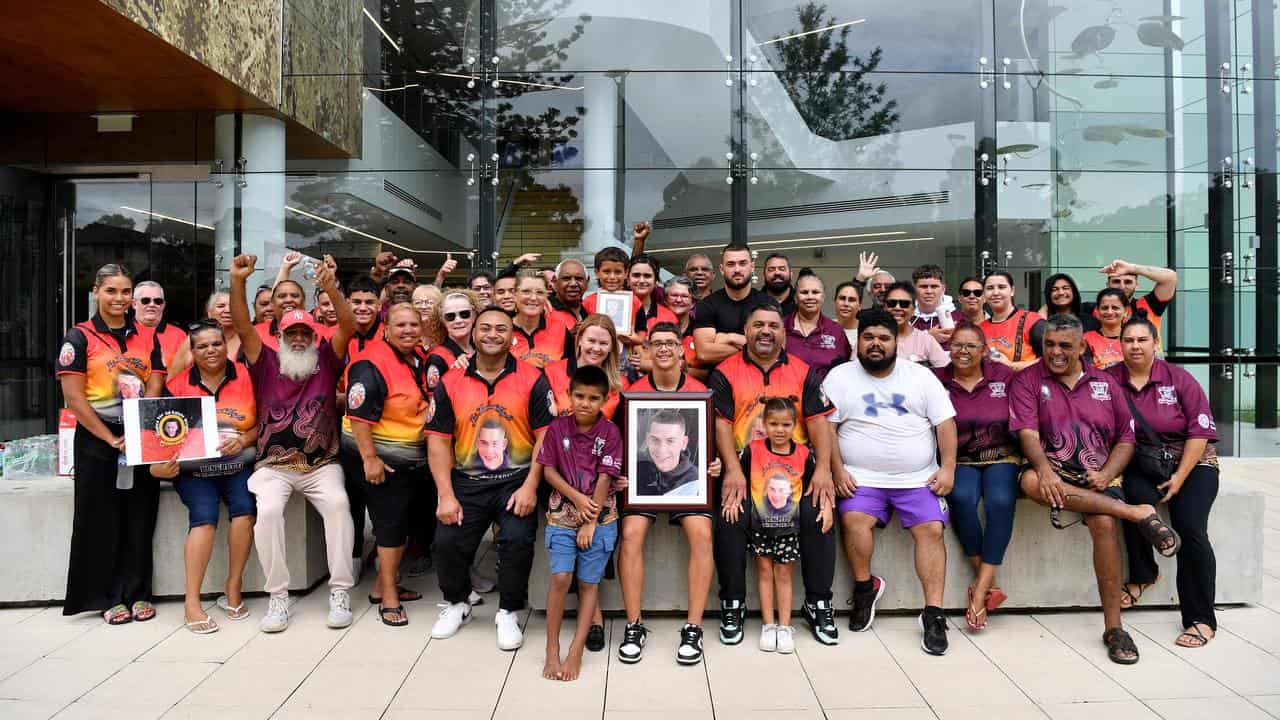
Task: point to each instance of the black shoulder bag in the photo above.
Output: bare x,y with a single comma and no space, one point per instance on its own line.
1152,460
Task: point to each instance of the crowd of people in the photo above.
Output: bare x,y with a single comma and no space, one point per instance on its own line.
445,413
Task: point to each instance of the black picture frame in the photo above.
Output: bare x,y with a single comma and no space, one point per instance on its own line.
637,410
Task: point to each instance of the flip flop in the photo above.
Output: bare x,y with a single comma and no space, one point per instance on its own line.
1195,638
233,612
404,595
117,615
202,627
143,611
394,611
972,619
995,598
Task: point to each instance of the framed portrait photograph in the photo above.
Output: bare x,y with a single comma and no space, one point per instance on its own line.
669,442
157,428
620,307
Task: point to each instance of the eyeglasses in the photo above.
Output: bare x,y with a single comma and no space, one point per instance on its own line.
151,301
899,303
967,347
459,315
970,293
656,344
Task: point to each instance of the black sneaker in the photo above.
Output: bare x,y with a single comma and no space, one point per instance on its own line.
595,638
690,650
934,640
732,614
632,647
864,605
821,618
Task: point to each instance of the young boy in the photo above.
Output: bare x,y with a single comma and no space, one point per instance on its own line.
581,458
611,274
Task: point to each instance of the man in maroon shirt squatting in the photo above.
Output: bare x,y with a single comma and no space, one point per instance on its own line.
1076,433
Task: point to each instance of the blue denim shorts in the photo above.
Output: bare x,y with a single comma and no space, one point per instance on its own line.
562,545
201,496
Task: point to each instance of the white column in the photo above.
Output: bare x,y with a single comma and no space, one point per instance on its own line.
262,199
600,160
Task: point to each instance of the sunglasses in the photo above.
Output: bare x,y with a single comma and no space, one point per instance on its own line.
151,301
899,303
459,315
970,293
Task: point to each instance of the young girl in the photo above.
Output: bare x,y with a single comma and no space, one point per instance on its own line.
778,470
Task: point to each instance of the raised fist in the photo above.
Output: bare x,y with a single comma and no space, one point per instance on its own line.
242,266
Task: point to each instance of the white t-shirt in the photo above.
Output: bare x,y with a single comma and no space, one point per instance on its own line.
884,426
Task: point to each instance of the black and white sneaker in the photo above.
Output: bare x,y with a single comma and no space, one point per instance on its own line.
632,647
821,618
864,605
732,615
690,650
934,639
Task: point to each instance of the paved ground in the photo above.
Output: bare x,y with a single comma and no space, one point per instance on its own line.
1022,666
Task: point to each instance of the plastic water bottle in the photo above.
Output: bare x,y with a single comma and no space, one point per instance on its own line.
124,474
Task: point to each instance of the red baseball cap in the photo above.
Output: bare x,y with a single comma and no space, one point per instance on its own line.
297,317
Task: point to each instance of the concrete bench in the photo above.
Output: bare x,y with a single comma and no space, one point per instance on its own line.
1044,568
37,514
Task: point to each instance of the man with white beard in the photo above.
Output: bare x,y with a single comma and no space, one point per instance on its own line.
297,438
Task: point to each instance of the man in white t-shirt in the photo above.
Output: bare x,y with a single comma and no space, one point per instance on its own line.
893,419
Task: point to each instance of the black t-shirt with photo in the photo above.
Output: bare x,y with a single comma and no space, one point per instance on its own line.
724,314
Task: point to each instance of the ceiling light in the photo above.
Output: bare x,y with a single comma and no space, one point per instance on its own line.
379,26
812,32
885,233
166,217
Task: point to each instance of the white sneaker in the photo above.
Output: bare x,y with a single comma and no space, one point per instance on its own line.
786,639
339,609
769,638
452,617
475,599
277,617
510,636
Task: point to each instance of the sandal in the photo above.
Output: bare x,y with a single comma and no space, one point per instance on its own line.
1131,598
1158,533
1194,637
202,627
995,598
976,619
404,593
393,616
117,615
1120,647
143,610
233,612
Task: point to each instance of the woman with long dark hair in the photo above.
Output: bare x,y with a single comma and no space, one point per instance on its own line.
1061,295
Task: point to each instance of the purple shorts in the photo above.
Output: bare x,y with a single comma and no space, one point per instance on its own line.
914,505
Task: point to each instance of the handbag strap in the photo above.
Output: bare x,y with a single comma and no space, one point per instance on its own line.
1142,421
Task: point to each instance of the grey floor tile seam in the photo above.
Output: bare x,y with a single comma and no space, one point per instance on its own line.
959,631
1249,699
904,672
1246,640
814,690
82,633
345,631
407,675
511,664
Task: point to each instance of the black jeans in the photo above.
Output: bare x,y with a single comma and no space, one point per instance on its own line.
455,545
1189,515
817,553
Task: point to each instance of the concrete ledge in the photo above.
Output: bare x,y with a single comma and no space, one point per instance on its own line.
1044,567
37,515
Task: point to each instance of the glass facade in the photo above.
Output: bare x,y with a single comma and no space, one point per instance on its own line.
974,134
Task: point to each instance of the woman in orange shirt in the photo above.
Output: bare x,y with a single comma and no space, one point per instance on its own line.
1013,334
1112,309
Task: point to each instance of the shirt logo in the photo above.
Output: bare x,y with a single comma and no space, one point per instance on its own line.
598,450
355,396
1045,393
1167,395
874,407
1204,421
1099,390
997,390
613,462
827,342
565,443
433,376
67,355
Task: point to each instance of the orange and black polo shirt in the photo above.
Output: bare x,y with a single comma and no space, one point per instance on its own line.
740,389
171,338
387,390
1003,337
559,374
116,363
237,413
440,360
493,425
549,342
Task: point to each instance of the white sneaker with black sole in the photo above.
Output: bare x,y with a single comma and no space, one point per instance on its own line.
631,649
452,617
732,615
689,651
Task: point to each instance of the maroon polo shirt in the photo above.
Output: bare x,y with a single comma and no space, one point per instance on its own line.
921,322
1078,427
297,421
580,457
982,414
824,348
1174,406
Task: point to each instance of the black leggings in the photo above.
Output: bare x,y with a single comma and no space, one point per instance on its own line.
1189,515
817,553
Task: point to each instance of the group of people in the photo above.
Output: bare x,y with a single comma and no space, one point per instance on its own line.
447,413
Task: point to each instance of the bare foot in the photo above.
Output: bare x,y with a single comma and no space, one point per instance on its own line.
551,669
572,666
